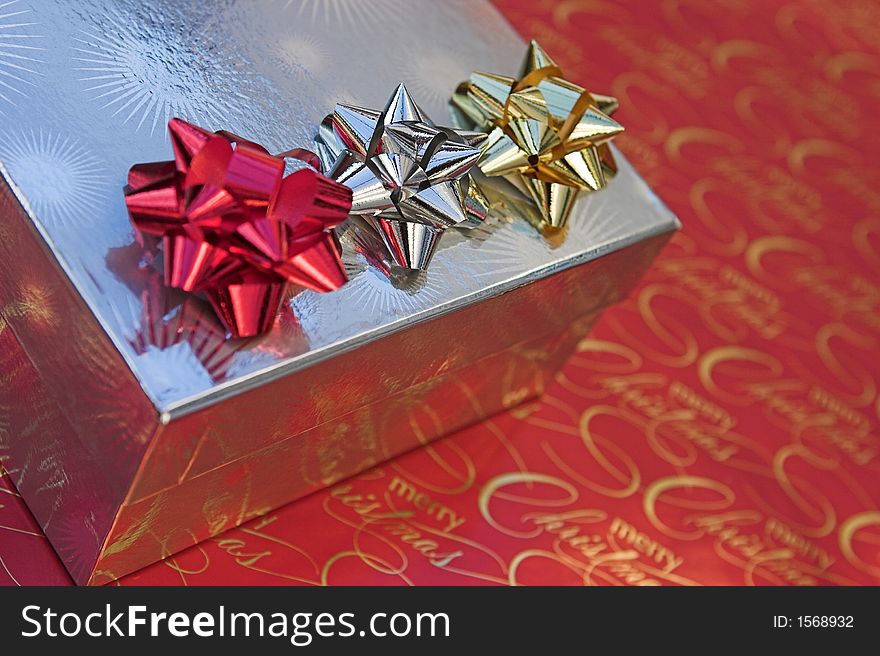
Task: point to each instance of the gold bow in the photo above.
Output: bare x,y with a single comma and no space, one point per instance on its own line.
547,136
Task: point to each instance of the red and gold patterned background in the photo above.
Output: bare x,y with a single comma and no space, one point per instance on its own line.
719,427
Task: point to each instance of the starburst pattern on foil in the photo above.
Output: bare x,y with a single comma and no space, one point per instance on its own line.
597,218
299,56
19,52
162,362
431,73
390,299
124,76
147,67
504,254
77,542
61,178
348,13
171,341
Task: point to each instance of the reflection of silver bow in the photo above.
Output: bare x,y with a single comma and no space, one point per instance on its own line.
408,176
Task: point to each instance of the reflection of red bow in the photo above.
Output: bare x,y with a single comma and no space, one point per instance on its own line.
234,227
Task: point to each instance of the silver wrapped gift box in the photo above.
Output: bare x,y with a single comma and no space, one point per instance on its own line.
131,426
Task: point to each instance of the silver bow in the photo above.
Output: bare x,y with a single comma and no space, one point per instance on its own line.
408,176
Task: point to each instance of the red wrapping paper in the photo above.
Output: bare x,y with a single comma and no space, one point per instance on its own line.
719,427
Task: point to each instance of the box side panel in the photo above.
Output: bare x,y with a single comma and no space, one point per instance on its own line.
77,417
224,497
62,484
359,436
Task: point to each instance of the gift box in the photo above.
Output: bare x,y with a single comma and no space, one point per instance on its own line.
133,425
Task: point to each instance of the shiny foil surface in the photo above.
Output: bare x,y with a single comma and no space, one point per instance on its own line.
720,427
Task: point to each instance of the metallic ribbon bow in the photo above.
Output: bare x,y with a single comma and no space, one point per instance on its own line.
408,176
547,136
234,227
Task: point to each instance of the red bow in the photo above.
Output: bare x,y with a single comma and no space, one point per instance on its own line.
234,227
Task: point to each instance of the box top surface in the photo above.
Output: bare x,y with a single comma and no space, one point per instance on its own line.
86,90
